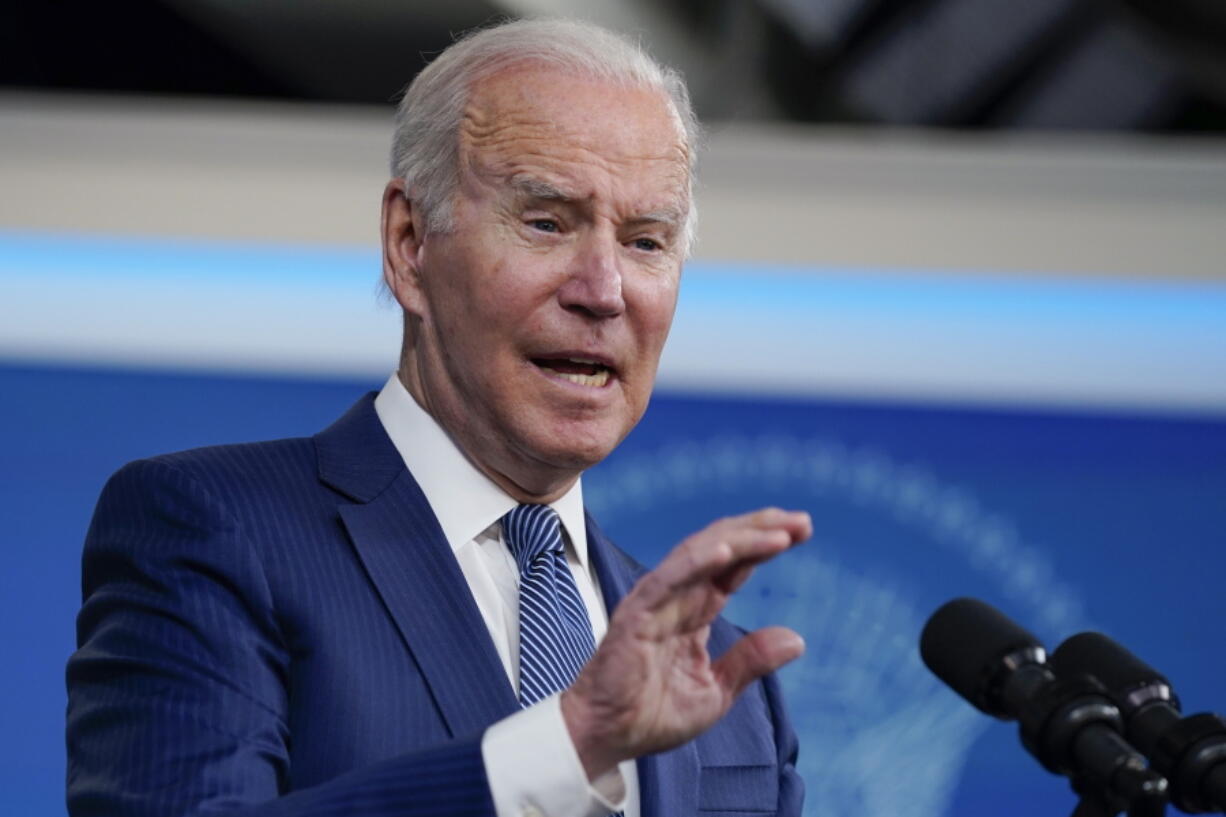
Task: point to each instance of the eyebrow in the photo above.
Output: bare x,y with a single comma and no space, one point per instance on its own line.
538,189
669,216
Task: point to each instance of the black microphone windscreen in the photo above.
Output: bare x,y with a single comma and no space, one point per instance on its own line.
964,643
1095,654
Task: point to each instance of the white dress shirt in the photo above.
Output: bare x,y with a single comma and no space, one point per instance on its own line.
530,761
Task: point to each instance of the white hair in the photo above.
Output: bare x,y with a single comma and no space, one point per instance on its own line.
425,145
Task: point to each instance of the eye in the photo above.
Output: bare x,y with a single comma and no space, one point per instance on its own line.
545,225
646,244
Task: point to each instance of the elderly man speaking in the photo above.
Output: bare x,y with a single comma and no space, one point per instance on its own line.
410,613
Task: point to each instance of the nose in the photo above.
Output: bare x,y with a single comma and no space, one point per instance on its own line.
594,286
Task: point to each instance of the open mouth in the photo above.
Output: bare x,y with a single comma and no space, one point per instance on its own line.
578,370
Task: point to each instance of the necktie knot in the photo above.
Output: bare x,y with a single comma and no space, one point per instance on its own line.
530,531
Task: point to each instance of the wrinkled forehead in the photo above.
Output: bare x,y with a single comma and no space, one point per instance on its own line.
530,119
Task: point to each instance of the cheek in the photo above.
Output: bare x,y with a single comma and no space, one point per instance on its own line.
490,326
655,315
471,294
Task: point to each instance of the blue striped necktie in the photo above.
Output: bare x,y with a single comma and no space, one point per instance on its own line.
555,634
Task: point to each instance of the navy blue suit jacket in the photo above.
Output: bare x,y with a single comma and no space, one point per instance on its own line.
281,629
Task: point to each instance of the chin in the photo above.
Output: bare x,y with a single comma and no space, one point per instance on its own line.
577,455
579,446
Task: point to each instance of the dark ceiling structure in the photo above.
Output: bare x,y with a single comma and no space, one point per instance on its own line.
1150,65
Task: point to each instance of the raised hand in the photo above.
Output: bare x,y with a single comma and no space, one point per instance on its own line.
651,685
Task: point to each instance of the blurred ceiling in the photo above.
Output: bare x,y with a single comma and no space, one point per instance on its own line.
1153,65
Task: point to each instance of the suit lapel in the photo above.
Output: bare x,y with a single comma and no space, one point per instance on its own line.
614,570
668,782
415,572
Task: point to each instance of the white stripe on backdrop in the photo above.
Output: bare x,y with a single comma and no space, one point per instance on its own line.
882,334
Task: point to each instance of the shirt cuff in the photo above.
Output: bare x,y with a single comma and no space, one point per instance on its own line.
534,771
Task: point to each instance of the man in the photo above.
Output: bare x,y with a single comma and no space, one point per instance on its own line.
340,625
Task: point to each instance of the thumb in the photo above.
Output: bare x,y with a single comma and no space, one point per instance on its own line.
754,655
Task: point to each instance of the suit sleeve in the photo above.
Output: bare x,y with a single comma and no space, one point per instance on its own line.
177,693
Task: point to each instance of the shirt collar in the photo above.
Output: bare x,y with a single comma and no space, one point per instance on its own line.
464,500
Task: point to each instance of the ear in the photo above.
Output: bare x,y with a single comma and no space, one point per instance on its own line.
403,229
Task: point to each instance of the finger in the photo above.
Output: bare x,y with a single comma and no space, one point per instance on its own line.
797,523
754,655
753,536
750,538
731,579
706,557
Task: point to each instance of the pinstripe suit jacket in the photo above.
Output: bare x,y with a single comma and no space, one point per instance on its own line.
281,629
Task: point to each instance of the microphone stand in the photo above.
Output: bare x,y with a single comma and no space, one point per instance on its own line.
1147,800
1072,727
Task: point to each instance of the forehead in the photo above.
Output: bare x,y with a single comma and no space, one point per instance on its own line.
575,132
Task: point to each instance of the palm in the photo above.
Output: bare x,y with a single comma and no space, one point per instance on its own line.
652,685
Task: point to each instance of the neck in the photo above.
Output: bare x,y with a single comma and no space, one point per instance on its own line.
526,485
536,494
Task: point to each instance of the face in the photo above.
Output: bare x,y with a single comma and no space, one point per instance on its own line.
537,322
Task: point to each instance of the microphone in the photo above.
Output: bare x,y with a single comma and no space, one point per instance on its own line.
1190,751
1070,725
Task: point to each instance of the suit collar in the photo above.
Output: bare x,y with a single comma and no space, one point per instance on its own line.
355,455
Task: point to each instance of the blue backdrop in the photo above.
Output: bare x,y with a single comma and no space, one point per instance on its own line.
1065,520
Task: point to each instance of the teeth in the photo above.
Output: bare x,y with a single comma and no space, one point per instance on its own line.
588,361
599,379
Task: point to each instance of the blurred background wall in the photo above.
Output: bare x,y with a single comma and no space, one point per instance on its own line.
959,291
